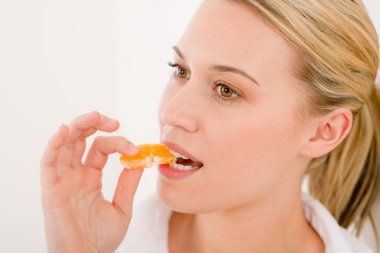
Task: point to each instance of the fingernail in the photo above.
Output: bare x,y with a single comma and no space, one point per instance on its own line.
132,147
111,121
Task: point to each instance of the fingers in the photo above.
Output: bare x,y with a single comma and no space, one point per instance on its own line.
80,128
128,180
78,152
125,191
87,124
49,159
103,146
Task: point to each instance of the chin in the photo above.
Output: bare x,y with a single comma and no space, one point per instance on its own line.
173,197
178,199
183,200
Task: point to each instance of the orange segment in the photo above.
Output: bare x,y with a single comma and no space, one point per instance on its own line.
142,160
162,154
137,164
148,154
145,151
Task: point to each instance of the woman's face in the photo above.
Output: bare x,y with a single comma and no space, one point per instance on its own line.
233,104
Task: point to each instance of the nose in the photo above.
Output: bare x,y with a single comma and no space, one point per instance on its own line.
181,110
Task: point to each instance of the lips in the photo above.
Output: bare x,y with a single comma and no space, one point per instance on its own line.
185,157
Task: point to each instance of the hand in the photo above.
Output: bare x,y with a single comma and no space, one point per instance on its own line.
77,217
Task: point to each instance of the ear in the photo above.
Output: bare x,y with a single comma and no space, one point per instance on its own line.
328,132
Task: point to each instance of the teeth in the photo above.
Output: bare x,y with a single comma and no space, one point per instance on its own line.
180,166
178,155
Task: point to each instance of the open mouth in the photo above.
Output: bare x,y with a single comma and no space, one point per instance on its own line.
184,163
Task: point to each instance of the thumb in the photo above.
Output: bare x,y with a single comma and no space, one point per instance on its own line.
125,191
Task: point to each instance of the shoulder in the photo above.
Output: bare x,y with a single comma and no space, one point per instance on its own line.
336,238
148,229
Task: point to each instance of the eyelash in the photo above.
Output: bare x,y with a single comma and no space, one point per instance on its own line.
216,84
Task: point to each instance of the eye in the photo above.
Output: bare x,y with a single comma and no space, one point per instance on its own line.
180,72
225,91
225,94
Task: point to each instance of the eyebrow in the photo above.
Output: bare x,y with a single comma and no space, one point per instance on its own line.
221,68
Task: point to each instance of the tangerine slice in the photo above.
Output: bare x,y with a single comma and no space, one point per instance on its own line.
161,154
148,155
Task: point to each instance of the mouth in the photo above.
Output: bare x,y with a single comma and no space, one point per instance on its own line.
185,161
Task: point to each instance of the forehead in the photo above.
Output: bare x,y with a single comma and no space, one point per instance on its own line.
228,31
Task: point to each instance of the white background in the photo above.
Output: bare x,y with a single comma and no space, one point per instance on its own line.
59,59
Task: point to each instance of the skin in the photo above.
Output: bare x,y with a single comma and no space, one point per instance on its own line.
254,148
246,197
77,217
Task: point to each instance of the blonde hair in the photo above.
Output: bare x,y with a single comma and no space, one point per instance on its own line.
340,49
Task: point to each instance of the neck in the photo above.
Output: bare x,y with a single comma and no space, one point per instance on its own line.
271,227
274,225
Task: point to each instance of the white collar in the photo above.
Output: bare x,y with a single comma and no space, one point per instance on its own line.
335,238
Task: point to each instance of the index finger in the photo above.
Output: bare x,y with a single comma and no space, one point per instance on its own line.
79,129
87,124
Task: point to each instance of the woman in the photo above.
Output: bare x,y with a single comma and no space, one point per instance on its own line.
261,93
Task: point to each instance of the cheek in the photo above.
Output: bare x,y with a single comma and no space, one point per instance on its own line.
251,158
258,138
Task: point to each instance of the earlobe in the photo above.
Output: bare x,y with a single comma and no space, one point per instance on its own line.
329,131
